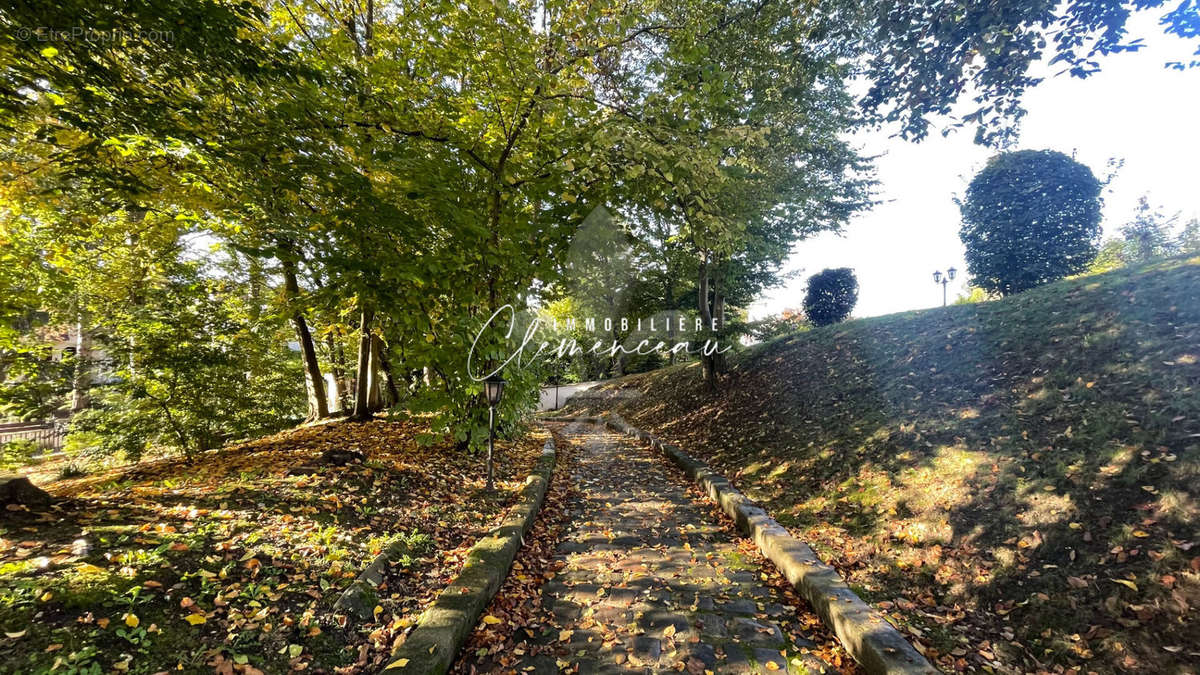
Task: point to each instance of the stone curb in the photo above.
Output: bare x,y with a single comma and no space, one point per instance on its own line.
443,628
360,598
869,638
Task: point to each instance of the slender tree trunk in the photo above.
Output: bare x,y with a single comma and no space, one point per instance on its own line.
80,380
672,316
375,397
388,377
618,358
135,215
338,359
257,285
362,402
314,384
348,383
719,362
708,362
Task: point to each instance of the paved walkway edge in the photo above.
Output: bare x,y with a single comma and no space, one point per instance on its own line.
869,638
443,628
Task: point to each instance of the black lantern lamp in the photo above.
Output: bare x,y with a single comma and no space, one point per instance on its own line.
944,280
493,389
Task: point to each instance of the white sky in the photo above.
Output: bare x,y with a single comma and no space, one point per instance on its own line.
1133,109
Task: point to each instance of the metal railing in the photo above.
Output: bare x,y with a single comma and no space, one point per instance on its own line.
48,435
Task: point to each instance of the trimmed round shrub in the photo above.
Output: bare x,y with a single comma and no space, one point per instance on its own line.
1030,217
831,296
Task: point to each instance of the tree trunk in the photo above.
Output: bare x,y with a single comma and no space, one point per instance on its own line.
257,284
389,379
362,403
708,362
374,395
719,362
80,380
673,317
314,384
618,358
338,358
135,215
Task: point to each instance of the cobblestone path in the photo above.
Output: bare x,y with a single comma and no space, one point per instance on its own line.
651,581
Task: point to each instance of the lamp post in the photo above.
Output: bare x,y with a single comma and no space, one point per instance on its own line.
493,388
944,280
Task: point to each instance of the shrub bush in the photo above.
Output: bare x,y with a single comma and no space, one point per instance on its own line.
831,296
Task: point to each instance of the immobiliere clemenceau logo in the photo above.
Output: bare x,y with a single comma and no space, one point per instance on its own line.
531,349
600,271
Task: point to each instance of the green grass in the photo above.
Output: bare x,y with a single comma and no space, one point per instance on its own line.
991,474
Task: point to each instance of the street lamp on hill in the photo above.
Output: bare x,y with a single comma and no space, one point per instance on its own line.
493,388
944,280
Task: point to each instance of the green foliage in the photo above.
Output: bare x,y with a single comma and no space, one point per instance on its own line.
1188,240
17,453
831,296
922,56
1029,217
72,470
1148,236
421,168
784,323
1144,239
973,295
33,385
202,373
1111,256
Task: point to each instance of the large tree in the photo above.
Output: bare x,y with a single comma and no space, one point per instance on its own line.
1030,217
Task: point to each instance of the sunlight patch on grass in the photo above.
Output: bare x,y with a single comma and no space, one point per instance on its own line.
1178,505
943,483
1045,508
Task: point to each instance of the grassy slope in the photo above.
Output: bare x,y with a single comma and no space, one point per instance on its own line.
258,553
1015,481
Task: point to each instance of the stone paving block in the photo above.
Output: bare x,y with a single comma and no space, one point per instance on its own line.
658,620
584,640
623,597
764,656
711,625
703,653
647,649
749,631
566,610
740,606
774,610
612,614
